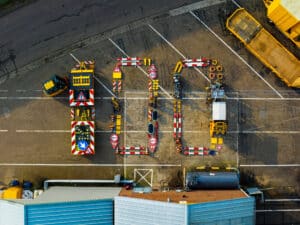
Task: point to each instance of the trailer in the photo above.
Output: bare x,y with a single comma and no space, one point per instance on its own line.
265,47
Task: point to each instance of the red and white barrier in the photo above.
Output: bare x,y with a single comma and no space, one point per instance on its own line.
179,125
175,125
89,102
130,61
91,148
114,85
150,85
119,86
195,64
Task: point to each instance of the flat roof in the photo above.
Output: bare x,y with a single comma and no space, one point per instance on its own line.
69,194
190,197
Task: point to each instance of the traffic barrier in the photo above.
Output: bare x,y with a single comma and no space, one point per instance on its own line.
119,86
114,85
89,102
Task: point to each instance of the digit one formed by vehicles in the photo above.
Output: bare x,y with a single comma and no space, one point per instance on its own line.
265,47
81,99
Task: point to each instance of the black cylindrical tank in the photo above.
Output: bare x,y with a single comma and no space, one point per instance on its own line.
212,180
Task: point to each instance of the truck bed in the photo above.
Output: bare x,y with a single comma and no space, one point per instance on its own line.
265,47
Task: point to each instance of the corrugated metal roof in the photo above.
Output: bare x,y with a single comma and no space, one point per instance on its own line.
94,212
131,211
234,212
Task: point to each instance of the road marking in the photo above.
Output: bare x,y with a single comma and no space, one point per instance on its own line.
87,165
194,6
140,68
3,90
283,200
176,50
235,53
237,136
103,85
43,131
266,132
162,131
31,98
277,210
236,4
269,165
3,131
77,60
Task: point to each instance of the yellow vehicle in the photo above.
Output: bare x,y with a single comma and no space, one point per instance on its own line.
265,47
12,193
285,14
55,85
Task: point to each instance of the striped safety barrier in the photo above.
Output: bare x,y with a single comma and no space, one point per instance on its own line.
119,86
89,102
90,149
114,85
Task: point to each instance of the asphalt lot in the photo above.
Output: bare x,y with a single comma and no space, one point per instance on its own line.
263,128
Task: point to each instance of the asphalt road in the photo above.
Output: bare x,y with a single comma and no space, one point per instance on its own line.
42,27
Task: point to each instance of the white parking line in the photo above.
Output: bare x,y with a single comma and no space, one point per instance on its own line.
43,131
161,131
140,68
176,50
270,165
236,54
87,165
283,200
103,85
277,210
266,132
30,98
236,4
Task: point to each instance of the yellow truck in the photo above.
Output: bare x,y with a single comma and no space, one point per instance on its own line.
265,47
285,14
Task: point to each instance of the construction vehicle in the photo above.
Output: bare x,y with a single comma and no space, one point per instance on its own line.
81,100
285,14
55,85
265,47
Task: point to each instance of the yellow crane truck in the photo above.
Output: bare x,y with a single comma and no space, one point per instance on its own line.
265,47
